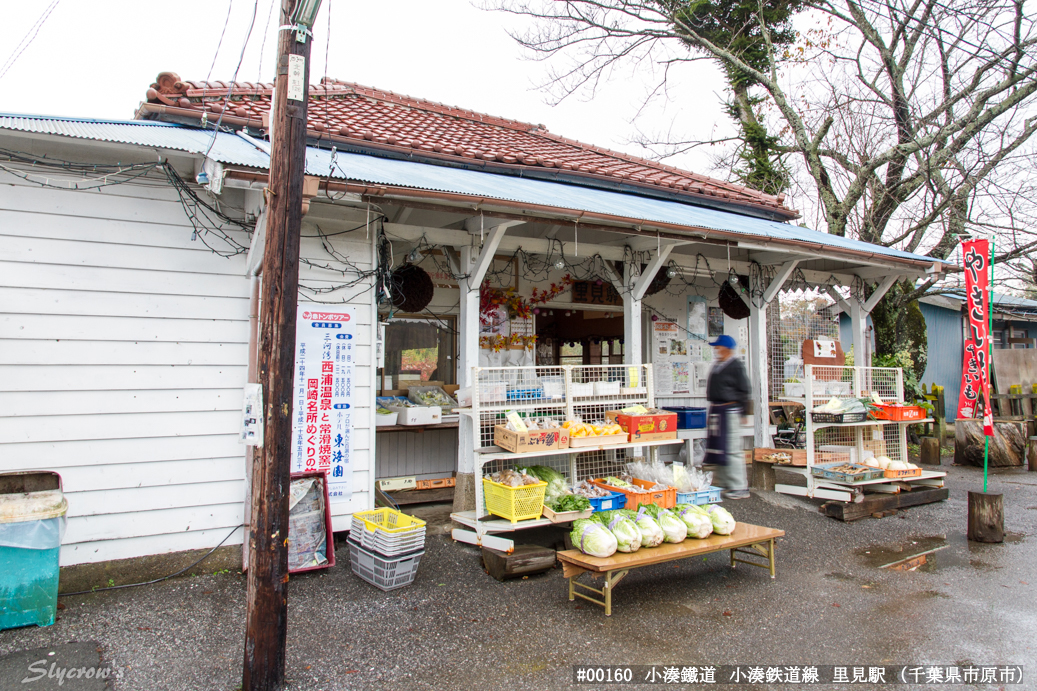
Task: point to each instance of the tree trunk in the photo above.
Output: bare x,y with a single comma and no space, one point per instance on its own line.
1007,446
986,517
900,327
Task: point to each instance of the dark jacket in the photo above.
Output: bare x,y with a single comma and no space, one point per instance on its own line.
728,383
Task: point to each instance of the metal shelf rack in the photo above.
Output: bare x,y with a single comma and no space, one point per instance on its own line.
563,393
857,437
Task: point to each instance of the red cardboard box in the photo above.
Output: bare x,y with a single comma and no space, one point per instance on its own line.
652,422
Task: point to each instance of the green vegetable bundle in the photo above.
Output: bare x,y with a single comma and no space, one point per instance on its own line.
591,537
700,526
651,533
674,529
556,485
628,535
570,502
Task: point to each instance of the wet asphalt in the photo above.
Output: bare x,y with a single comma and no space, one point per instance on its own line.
457,628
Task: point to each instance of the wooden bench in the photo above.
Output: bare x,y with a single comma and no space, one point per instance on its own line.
746,540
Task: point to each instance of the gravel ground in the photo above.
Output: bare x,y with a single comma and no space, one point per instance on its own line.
456,628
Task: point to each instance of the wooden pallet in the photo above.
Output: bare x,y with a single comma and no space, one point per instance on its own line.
882,503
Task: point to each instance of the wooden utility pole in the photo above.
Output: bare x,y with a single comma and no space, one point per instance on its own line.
267,614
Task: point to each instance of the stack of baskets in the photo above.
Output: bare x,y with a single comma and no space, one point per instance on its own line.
385,547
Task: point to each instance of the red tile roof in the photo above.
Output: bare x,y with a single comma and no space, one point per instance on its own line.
345,112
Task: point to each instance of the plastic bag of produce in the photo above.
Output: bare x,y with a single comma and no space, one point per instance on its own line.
592,538
651,533
700,526
723,521
628,535
674,529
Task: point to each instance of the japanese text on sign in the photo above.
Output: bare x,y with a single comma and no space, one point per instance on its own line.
323,397
975,372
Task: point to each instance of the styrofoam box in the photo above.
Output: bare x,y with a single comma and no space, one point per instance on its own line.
386,420
606,388
493,391
582,390
418,415
554,387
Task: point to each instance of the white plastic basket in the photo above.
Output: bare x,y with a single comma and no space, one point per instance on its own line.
606,388
383,573
387,544
582,390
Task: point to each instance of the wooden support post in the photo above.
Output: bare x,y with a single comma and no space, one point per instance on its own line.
930,451
1031,454
763,476
525,560
266,617
986,517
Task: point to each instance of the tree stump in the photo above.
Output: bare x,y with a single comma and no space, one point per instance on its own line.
986,517
1007,446
1031,454
930,451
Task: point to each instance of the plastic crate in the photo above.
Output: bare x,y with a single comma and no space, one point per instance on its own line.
514,503
665,498
389,521
387,544
838,418
825,471
612,502
381,572
689,418
902,474
527,394
900,413
704,496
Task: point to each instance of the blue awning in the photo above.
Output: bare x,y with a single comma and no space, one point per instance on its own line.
235,149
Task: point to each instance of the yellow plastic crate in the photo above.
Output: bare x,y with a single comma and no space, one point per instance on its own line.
514,503
388,520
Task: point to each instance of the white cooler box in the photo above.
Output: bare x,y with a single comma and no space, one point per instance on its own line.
417,415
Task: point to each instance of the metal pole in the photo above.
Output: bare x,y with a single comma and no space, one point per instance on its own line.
990,358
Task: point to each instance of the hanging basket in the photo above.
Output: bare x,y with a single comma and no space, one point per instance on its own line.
731,302
412,289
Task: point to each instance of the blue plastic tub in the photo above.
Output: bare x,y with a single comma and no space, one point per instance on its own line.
614,501
689,418
29,572
705,496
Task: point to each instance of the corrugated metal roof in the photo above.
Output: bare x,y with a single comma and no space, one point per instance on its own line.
227,148
237,150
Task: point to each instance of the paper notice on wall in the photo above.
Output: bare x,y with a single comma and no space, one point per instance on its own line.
322,426
681,377
698,320
824,347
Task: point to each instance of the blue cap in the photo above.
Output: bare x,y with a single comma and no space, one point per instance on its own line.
724,341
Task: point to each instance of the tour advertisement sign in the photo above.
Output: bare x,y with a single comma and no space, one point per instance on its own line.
322,429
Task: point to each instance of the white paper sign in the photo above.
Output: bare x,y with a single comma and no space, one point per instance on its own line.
322,431
251,432
296,77
824,348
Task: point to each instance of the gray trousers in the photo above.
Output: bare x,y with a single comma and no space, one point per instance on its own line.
732,475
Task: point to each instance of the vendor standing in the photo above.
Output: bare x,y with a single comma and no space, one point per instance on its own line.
727,391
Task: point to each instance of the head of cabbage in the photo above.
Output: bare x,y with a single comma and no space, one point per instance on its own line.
674,529
651,533
723,521
628,535
699,524
592,538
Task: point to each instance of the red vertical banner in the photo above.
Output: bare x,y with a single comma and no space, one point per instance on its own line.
975,375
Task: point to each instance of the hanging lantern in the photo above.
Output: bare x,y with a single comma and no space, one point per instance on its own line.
411,288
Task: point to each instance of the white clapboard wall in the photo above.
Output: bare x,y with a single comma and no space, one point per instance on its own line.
123,351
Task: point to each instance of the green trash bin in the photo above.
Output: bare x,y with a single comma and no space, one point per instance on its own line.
32,522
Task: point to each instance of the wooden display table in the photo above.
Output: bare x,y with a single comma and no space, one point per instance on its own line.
758,540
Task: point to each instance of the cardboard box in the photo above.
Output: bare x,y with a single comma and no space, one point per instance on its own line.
652,436
652,422
527,442
876,446
417,415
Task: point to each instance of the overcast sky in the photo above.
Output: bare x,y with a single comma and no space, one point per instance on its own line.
96,58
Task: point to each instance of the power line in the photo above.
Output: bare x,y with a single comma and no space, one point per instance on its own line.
27,39
223,33
262,45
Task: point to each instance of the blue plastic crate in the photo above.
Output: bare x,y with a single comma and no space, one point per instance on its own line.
689,418
614,501
704,496
534,394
